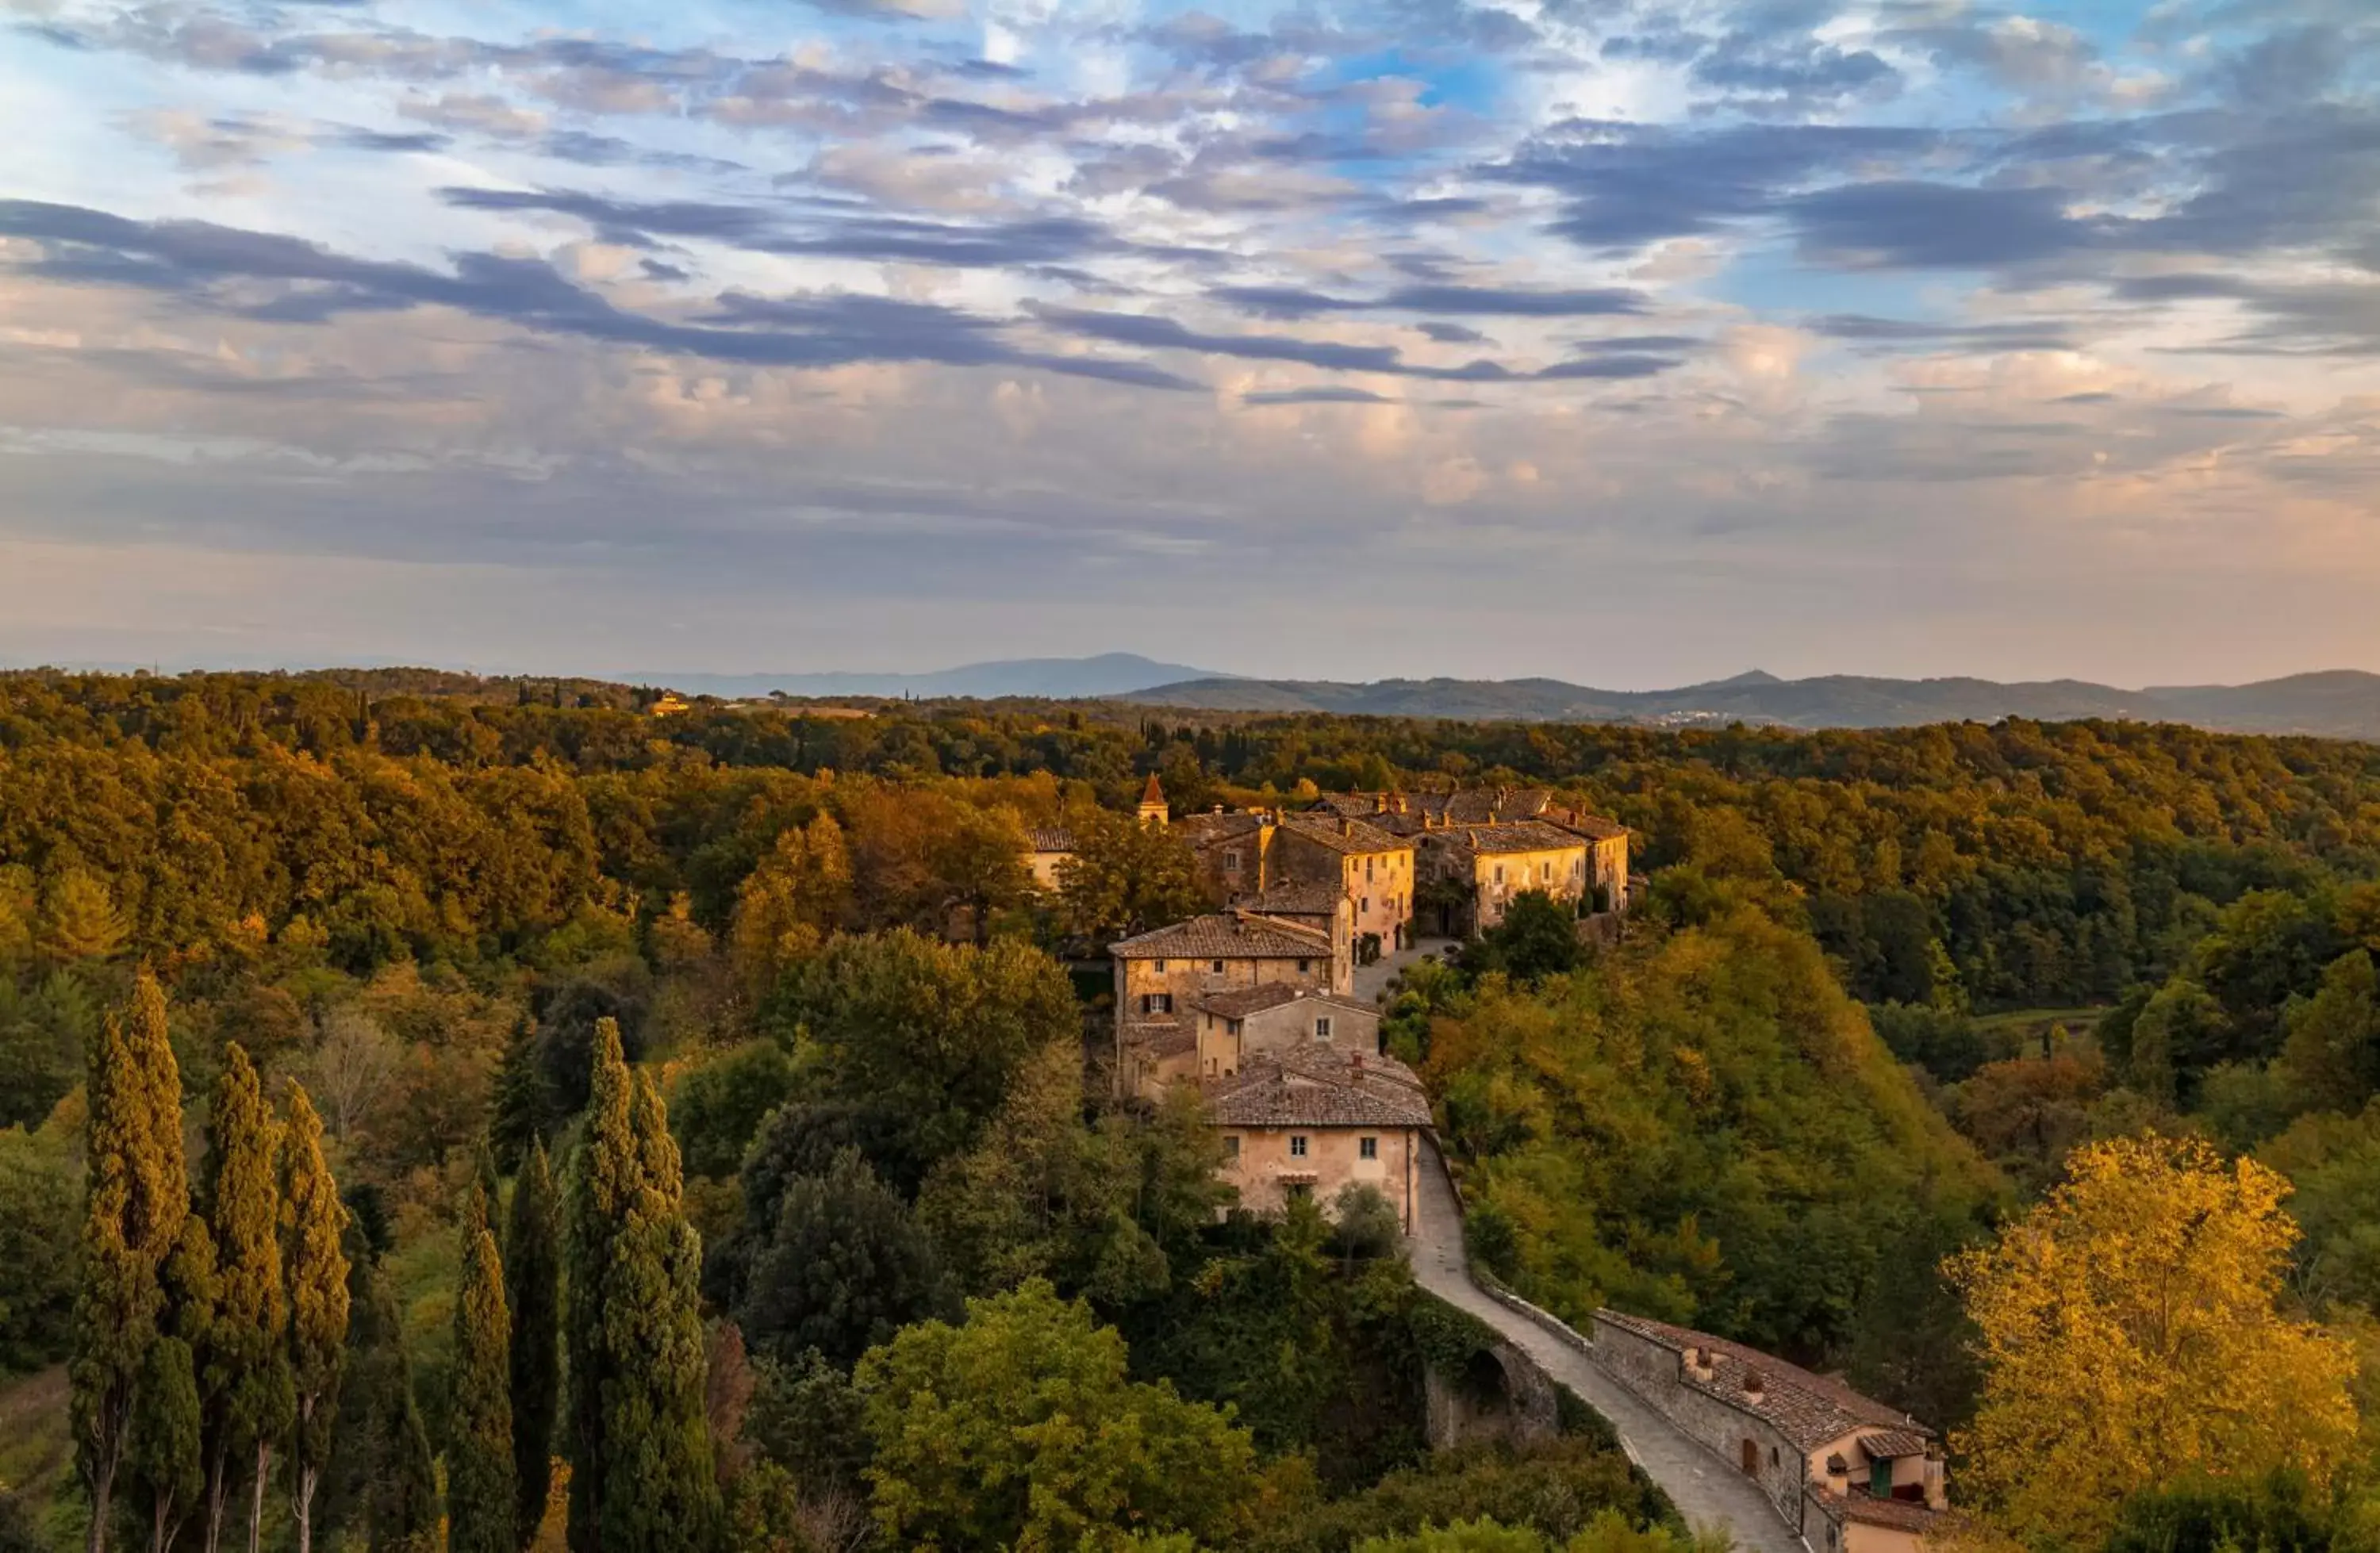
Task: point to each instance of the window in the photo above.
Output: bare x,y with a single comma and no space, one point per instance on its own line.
1297,1146
1367,905
1368,867
1232,1146
1161,967
1304,967
1301,1189
1322,1028
1157,1002
1367,1148
1219,966
1500,873
1230,860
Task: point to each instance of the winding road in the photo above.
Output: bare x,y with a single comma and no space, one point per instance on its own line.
1706,1492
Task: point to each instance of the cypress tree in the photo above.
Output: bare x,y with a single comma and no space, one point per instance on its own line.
137,1198
533,1296
244,1377
479,1489
642,1478
162,1453
381,1480
315,1270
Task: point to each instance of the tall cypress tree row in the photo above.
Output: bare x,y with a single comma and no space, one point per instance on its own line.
244,1362
533,1295
480,1492
137,1198
640,1446
313,1220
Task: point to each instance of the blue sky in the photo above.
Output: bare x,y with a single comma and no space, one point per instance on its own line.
1625,341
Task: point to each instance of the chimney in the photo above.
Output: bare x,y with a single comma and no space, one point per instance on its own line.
1754,1385
1839,1474
1345,826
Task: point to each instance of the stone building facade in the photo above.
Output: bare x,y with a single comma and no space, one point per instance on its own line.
1311,1120
1849,1474
1158,975
1373,868
1478,869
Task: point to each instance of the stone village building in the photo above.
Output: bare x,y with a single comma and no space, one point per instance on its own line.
1851,1474
1316,1117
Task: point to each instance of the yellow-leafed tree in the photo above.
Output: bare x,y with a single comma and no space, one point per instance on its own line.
2130,1337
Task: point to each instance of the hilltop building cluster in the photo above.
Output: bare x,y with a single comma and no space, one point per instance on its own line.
1255,1001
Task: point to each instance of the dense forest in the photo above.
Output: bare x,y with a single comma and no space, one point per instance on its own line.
770,993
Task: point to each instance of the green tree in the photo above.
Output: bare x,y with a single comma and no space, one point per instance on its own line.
532,1254
39,1195
244,1356
1539,938
2330,1053
1020,1428
843,1269
163,1454
136,1196
45,1027
382,1480
315,1268
1126,878
641,1475
481,1488
927,1033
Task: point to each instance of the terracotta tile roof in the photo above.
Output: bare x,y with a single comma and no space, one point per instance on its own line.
1864,1508
1242,1001
1154,793
1053,839
1807,1409
1310,1090
1887,1444
1342,834
1593,826
1294,899
1161,1034
1236,935
1517,835
1204,830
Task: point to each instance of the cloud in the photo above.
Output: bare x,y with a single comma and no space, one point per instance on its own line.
210,265
1316,396
1913,224
1892,331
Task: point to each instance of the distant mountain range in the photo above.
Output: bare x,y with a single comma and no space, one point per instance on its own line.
1109,674
2343,703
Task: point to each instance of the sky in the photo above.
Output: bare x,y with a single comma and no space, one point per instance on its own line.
1631,342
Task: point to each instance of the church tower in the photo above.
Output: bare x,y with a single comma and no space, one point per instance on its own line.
1153,808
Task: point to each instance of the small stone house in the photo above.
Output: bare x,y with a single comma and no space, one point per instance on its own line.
1310,1119
1479,868
1372,867
1847,1473
1254,1020
1045,849
1159,974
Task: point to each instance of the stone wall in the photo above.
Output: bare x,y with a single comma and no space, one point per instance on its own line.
1499,1393
1654,1372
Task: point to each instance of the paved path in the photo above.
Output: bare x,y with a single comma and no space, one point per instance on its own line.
1706,1492
1373,979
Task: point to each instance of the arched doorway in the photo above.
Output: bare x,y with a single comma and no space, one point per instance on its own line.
1751,1459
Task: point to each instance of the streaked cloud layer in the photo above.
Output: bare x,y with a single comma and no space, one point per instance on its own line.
1618,340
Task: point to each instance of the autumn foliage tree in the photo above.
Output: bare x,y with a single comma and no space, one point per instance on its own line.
2130,1338
137,1199
313,1221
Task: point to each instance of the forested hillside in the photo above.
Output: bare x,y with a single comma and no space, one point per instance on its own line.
1879,989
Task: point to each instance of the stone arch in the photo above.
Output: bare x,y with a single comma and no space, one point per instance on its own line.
1494,1391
